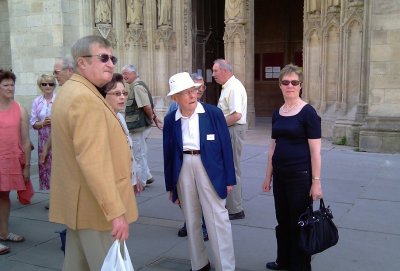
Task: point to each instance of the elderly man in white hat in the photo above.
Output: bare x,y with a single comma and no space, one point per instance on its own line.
199,172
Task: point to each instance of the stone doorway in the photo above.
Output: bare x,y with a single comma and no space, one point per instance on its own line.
278,40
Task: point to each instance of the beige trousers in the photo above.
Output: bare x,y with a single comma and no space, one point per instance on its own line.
198,196
85,250
234,201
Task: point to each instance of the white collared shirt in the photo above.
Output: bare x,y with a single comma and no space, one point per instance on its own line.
190,128
233,99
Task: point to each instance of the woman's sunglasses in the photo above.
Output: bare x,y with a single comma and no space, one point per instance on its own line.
293,82
48,84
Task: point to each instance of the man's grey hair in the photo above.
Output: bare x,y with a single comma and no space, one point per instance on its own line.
196,76
130,68
82,46
223,64
67,62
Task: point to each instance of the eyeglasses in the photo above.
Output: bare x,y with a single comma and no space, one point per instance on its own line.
118,93
57,72
189,91
202,87
105,58
48,84
293,82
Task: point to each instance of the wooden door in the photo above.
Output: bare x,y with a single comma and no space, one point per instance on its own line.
208,44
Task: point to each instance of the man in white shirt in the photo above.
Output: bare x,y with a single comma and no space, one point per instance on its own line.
233,103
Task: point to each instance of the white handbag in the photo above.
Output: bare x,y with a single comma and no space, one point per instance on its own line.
115,261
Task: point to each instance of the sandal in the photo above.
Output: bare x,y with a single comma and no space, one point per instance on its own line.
12,237
4,249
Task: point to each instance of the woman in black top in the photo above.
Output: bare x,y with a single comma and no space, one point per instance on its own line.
294,164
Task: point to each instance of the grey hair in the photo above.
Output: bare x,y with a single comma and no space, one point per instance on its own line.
289,69
67,62
196,76
82,46
223,64
130,68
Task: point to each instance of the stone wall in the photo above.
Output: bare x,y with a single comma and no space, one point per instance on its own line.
381,131
5,50
333,63
39,32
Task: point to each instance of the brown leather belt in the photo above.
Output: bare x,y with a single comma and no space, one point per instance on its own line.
192,152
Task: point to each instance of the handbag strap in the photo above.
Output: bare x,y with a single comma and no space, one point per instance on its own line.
321,204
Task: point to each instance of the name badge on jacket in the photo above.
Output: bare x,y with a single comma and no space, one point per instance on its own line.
211,137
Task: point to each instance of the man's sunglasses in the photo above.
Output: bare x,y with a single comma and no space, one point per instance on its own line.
105,58
48,84
293,82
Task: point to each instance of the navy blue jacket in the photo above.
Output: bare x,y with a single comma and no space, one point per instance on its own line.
216,155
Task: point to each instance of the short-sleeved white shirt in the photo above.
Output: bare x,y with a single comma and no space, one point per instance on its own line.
233,99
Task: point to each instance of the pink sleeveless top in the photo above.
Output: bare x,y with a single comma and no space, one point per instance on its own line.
11,154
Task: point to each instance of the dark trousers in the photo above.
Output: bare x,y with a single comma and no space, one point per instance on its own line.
291,195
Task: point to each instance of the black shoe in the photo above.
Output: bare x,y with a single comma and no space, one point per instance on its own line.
182,232
150,181
207,267
275,266
239,215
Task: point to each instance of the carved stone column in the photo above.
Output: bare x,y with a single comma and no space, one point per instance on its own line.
135,41
239,34
163,44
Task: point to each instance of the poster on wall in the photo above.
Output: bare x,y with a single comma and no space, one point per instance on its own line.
272,63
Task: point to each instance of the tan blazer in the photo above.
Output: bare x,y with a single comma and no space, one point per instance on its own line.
91,167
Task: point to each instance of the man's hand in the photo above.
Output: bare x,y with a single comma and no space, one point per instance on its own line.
229,188
158,123
120,228
170,198
137,188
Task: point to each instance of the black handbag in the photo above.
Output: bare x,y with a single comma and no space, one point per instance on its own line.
317,230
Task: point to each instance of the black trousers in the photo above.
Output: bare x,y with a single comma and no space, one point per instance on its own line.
291,196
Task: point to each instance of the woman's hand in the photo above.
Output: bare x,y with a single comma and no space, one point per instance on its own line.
27,172
43,155
47,121
316,190
266,187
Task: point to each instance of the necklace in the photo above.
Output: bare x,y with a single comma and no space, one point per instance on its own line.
287,108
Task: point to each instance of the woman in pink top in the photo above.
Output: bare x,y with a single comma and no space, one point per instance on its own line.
41,121
15,153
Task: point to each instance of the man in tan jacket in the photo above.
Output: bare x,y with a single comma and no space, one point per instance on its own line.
91,188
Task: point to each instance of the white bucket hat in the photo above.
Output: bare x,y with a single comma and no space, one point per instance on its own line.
179,82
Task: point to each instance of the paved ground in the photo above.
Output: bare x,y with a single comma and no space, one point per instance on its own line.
363,190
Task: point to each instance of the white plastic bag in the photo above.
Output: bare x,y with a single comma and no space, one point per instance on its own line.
115,261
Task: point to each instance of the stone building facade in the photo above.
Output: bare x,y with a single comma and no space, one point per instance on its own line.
348,50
